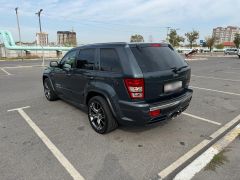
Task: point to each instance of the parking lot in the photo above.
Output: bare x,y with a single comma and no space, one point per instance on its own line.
60,143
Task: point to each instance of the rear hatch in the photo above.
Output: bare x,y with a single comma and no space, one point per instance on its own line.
166,74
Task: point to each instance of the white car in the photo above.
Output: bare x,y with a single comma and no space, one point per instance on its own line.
238,53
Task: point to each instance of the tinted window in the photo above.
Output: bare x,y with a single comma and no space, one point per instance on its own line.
68,60
86,59
152,59
109,60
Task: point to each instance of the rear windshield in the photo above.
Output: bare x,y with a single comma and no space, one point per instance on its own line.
152,59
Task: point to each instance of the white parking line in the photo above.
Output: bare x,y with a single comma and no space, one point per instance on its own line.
5,71
212,77
230,72
15,67
196,59
202,119
56,152
173,168
200,162
213,90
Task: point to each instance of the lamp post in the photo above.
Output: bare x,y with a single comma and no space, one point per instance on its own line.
40,26
39,19
19,33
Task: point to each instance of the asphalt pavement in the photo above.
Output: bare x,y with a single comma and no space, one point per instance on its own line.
126,153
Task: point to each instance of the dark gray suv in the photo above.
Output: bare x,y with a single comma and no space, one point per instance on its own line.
121,83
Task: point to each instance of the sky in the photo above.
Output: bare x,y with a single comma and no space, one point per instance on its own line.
116,20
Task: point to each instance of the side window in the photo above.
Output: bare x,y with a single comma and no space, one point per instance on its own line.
86,59
69,59
109,60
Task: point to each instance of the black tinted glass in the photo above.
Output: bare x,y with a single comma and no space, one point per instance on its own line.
109,60
86,58
152,59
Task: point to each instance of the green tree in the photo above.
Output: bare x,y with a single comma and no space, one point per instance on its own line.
210,42
137,38
219,46
192,37
237,40
174,38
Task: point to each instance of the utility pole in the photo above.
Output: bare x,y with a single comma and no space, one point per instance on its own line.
19,33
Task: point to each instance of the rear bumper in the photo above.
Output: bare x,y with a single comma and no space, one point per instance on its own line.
137,113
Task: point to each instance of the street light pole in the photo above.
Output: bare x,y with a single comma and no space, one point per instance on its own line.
19,33
39,19
40,26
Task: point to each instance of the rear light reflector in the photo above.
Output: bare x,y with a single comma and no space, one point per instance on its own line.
155,113
135,87
155,45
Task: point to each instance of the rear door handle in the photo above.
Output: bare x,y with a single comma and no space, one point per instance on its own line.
90,77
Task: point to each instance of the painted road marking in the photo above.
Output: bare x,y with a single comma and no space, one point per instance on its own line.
190,155
213,90
14,67
212,77
5,71
230,72
56,152
199,163
202,119
196,59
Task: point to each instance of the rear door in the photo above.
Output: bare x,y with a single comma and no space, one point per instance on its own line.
165,72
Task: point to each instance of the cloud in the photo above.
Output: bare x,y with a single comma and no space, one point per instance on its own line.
126,16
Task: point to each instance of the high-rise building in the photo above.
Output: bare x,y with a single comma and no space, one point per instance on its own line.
66,38
225,34
42,38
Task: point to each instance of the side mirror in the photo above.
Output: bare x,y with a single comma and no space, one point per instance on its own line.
54,64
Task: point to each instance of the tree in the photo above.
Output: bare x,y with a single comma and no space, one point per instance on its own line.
210,42
237,40
137,38
192,37
174,38
219,46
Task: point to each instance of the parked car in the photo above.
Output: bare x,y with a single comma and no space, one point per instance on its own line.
231,51
239,52
121,83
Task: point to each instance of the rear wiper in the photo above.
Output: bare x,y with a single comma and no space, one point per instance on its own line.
175,69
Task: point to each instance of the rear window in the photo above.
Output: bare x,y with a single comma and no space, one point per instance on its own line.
109,60
152,59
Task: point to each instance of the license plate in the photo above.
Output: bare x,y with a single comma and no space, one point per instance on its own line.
172,86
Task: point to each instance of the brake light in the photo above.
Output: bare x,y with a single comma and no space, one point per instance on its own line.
155,45
135,87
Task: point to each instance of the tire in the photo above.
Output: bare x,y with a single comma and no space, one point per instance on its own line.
48,90
100,115
239,56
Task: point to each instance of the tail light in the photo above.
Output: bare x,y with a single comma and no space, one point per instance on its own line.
135,87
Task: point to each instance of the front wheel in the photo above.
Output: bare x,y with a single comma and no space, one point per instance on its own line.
100,115
48,90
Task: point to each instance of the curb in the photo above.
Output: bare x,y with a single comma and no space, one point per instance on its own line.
172,170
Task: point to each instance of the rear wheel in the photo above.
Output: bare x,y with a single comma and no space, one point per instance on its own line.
48,90
100,115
